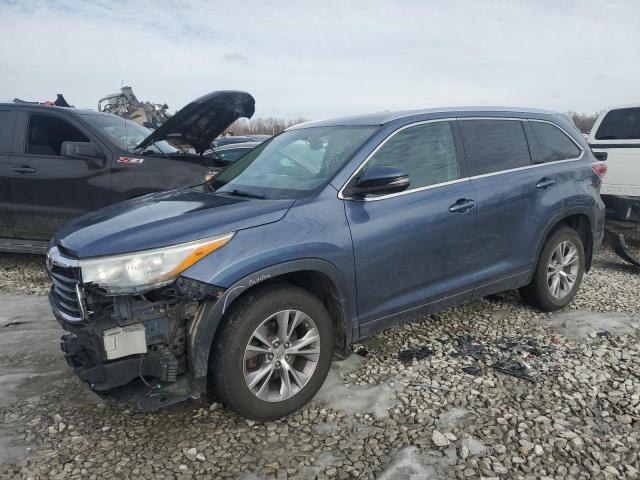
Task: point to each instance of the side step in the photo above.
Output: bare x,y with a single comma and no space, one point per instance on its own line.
23,246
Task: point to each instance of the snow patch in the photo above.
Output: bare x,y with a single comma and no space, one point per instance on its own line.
577,324
452,417
475,446
376,399
411,465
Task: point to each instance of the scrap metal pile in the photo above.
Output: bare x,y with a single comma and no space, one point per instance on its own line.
125,104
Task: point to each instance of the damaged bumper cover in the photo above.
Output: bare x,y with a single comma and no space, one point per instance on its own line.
131,349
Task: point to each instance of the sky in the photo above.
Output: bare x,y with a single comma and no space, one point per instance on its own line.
319,59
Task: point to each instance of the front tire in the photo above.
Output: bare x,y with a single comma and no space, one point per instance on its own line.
559,272
273,353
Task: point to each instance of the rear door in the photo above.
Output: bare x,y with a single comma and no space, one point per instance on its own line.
516,200
46,189
7,122
413,248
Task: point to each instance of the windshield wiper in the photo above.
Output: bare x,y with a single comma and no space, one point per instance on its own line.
239,193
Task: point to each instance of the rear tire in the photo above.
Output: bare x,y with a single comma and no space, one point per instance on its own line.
559,272
255,346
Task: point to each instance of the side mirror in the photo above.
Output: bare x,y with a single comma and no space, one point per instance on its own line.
85,151
379,180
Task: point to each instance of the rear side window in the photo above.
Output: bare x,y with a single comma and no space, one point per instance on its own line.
554,143
494,145
6,130
621,124
427,153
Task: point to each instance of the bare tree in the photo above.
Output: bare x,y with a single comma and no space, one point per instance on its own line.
583,121
268,125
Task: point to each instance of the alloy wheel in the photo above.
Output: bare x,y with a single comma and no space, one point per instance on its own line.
281,355
563,268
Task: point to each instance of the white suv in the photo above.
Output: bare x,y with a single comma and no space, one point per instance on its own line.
615,138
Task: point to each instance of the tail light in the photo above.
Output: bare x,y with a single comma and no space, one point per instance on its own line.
599,168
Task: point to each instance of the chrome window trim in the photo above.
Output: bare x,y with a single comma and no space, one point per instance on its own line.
535,165
341,195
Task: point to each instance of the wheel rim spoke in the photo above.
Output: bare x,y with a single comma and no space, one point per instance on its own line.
298,377
264,391
294,324
254,378
571,257
308,339
285,381
255,350
283,324
311,353
555,284
258,334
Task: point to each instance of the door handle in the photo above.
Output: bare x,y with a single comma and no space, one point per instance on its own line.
24,169
463,205
546,183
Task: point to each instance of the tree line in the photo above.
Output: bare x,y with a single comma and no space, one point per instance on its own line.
584,121
265,126
273,126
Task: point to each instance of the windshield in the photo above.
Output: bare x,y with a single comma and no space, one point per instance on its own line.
126,134
293,164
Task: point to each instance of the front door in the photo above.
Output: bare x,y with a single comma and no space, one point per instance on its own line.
46,189
412,248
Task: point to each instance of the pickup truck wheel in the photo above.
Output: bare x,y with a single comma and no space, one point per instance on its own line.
559,272
273,353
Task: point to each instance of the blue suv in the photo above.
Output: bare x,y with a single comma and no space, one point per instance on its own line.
247,285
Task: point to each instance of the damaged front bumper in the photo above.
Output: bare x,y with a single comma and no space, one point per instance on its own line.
129,349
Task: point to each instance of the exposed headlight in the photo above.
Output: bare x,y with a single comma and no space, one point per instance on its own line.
140,271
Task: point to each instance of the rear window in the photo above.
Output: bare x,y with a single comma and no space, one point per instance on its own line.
494,145
6,131
621,124
554,143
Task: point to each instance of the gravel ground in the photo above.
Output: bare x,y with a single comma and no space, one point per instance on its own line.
23,274
446,413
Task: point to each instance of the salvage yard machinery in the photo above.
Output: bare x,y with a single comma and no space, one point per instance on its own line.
615,139
125,104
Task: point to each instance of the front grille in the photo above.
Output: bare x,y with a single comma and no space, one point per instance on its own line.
65,276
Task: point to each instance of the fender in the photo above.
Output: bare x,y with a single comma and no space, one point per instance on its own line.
558,218
203,329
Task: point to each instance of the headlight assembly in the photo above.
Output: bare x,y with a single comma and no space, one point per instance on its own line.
140,271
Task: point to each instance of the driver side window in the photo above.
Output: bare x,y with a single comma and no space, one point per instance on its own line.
47,133
427,153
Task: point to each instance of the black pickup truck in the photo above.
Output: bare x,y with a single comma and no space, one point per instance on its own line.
57,163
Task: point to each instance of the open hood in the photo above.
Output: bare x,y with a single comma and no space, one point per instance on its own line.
200,122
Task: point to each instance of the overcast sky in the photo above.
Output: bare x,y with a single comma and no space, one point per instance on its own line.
326,58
